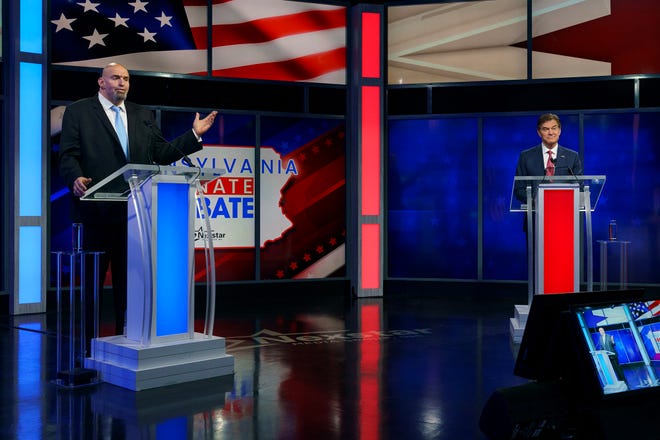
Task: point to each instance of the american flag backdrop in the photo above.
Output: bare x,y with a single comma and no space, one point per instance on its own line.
255,39
643,310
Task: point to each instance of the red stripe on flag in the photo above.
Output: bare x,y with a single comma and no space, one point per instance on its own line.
297,69
269,29
204,2
654,307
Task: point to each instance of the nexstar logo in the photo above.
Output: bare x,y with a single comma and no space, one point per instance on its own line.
265,338
200,234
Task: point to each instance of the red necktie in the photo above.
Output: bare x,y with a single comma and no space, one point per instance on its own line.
549,166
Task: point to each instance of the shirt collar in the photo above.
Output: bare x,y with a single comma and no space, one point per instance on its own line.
107,104
546,149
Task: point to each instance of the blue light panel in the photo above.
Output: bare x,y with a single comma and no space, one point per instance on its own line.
30,179
172,241
29,265
31,28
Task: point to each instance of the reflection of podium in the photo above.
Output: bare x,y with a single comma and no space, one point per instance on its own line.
160,346
608,379
145,411
552,206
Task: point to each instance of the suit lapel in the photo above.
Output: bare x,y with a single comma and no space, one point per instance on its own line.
103,118
131,117
538,160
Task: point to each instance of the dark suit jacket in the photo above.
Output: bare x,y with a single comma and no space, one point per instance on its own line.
606,343
530,163
89,147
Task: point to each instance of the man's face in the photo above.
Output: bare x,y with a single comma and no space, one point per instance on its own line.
114,83
549,133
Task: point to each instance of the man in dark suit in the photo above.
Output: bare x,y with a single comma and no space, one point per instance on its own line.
606,342
91,148
548,158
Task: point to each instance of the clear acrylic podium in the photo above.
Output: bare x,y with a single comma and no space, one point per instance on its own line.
552,206
160,346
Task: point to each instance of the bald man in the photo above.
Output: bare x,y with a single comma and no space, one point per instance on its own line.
91,149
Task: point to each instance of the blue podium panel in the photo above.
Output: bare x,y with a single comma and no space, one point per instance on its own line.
160,260
173,262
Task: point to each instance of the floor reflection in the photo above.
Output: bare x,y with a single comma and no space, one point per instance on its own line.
412,368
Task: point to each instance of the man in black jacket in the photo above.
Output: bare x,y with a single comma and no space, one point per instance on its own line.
99,135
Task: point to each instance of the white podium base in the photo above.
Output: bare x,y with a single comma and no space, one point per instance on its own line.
517,323
618,387
128,364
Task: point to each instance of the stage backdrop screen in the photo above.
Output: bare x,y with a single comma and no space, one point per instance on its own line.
251,39
432,198
452,41
440,169
287,195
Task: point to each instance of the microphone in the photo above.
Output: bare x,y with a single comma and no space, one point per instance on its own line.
184,157
570,171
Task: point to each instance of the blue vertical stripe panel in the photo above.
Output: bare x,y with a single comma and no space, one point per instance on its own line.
29,265
30,179
31,31
29,374
172,259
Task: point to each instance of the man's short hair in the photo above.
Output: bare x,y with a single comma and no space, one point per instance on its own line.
547,117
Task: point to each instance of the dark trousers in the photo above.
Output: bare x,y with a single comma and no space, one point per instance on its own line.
111,240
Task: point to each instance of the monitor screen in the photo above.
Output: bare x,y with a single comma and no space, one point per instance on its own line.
542,352
620,344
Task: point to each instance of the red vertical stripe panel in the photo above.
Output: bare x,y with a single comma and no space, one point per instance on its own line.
370,260
370,45
370,159
559,241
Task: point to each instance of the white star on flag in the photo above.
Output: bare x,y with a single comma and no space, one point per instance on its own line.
147,35
119,21
164,20
63,23
89,6
95,39
139,5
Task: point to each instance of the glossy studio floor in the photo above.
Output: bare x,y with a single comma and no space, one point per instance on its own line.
419,363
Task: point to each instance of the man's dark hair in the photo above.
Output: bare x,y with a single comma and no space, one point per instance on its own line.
547,117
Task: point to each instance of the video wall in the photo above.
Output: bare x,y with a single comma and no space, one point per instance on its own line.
256,39
280,203
279,212
444,41
457,41
450,181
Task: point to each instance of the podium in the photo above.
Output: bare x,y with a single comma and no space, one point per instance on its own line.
608,378
160,346
552,205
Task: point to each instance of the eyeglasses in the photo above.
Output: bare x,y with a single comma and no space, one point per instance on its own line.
547,129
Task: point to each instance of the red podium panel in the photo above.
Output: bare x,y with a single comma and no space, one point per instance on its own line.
557,239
